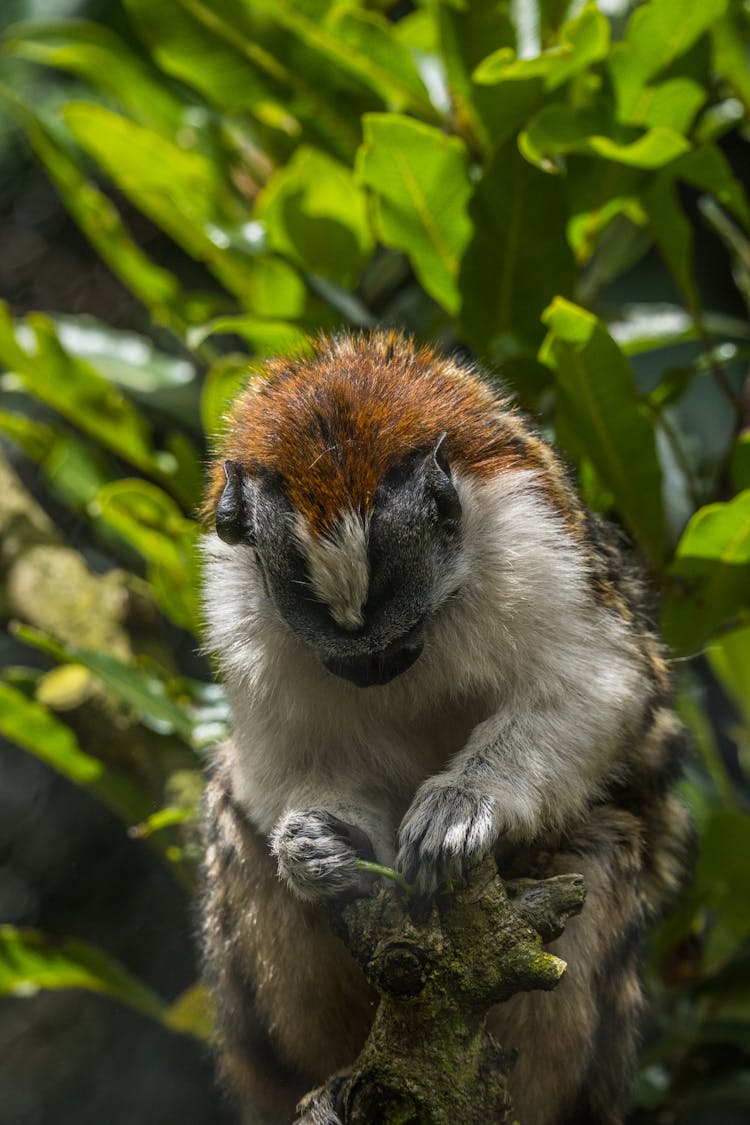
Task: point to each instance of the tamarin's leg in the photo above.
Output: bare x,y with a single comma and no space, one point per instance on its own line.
576,1044
292,1006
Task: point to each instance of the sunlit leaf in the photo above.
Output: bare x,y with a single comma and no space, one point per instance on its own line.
144,693
36,729
583,40
420,181
103,59
560,129
150,522
31,961
316,215
101,222
597,401
657,33
710,573
224,381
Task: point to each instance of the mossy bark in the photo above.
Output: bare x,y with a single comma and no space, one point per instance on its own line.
439,967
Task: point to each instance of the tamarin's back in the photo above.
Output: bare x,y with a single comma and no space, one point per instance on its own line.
432,651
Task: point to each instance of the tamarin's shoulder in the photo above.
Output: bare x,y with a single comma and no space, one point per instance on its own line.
332,422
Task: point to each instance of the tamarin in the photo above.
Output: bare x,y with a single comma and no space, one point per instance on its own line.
432,651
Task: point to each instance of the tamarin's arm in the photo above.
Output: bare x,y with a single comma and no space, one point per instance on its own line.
531,768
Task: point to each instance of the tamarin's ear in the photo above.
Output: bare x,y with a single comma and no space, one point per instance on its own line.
233,520
441,482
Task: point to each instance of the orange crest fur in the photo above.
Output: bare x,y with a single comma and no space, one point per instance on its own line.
332,423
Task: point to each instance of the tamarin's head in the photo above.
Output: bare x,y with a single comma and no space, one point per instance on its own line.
342,471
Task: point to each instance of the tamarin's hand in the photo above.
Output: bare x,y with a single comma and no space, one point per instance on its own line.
317,854
449,828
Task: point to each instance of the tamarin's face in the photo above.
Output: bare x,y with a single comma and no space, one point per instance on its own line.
360,593
345,472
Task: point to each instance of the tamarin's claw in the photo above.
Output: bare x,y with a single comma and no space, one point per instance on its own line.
448,829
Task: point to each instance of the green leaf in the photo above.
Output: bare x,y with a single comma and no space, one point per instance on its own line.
710,575
672,104
514,264
30,961
192,1013
658,33
729,53
243,60
101,222
673,234
150,522
177,189
316,216
638,328
74,469
222,384
358,41
125,358
559,129
104,61
265,336
73,388
36,729
421,186
145,694
583,40
597,401
729,656
462,39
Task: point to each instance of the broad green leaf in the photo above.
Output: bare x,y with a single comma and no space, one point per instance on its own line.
729,656
74,469
583,40
658,33
138,689
126,358
150,522
464,37
672,233
360,42
514,264
729,41
597,401
316,216
36,729
709,170
560,129
710,575
638,328
421,186
102,223
73,388
222,384
31,961
243,60
104,61
176,188
597,193
672,104
705,168
264,335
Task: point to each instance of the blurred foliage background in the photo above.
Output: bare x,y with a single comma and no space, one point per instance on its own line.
559,189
